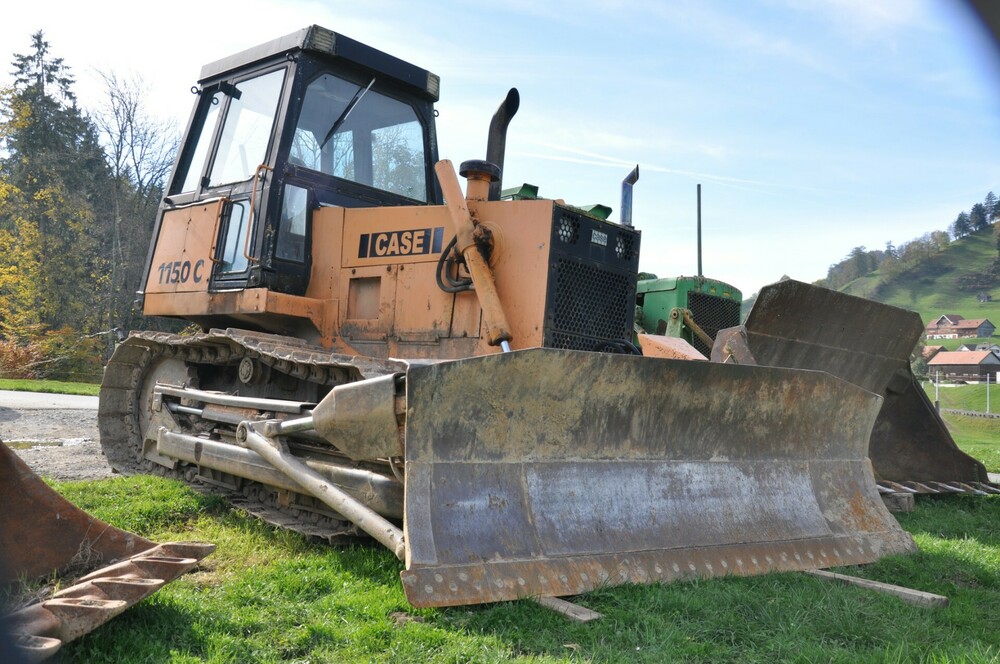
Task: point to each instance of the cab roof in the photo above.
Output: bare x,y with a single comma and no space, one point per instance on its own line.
330,45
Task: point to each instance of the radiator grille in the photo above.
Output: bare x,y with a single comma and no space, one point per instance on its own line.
712,313
590,305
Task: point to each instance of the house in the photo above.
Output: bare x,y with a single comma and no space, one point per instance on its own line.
964,347
969,365
953,326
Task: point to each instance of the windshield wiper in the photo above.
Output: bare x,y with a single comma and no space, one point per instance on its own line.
347,111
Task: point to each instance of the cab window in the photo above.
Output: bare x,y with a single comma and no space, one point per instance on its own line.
379,142
247,129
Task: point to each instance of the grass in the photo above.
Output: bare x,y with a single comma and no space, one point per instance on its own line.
49,386
932,288
270,596
978,436
953,344
965,397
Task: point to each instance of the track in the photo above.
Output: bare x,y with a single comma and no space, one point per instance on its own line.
232,362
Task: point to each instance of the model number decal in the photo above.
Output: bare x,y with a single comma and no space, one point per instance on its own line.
180,272
401,243
599,237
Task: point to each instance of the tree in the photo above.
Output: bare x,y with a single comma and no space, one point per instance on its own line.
140,151
962,225
978,217
940,239
56,175
990,203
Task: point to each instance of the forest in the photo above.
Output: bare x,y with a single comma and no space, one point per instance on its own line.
895,262
78,198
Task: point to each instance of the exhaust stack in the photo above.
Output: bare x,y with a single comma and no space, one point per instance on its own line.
627,183
496,144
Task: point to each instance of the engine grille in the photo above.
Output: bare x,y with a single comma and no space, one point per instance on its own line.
712,313
592,278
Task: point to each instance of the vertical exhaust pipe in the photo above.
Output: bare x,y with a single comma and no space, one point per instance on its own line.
627,183
496,144
699,232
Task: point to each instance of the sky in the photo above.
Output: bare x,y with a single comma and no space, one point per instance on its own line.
813,126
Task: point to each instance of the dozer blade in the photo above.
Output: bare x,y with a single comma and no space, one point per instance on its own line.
549,472
43,535
800,326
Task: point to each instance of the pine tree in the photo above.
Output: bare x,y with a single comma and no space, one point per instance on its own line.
962,225
56,174
978,217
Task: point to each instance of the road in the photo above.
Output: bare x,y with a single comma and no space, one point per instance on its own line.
42,401
55,434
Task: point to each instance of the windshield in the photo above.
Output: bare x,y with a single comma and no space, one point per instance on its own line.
379,144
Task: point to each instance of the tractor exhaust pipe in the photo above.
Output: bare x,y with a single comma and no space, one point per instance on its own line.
496,144
627,184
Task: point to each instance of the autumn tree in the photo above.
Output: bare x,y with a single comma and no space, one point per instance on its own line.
55,172
140,152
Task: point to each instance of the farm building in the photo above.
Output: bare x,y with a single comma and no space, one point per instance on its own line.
953,326
969,365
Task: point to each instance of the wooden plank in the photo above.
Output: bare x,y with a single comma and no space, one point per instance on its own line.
568,609
917,597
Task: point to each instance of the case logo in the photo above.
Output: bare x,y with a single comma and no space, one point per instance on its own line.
401,243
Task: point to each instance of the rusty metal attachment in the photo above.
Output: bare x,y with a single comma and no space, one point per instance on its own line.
800,326
42,534
609,469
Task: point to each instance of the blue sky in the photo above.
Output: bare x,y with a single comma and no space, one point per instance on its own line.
813,126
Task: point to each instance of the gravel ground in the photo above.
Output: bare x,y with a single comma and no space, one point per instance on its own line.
58,443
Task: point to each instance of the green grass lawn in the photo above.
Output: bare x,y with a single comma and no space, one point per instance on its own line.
50,386
952,344
269,596
978,436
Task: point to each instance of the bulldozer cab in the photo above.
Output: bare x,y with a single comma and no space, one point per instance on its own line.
309,120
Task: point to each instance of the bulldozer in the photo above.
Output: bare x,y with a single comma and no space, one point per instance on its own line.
801,326
454,373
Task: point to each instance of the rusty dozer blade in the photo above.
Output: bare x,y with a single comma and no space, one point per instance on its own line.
800,326
549,472
43,535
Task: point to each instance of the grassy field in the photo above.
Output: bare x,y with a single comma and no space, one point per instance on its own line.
49,386
952,344
978,436
268,596
933,290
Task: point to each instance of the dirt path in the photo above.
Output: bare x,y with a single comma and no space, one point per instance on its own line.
59,443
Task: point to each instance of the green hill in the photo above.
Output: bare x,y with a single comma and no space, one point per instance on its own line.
931,287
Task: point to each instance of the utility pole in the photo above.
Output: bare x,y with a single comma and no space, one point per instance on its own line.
937,387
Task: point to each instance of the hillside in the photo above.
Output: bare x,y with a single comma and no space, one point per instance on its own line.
931,288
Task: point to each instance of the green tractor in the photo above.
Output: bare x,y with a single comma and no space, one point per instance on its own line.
690,308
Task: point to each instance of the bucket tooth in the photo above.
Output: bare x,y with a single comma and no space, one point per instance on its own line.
547,472
41,533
